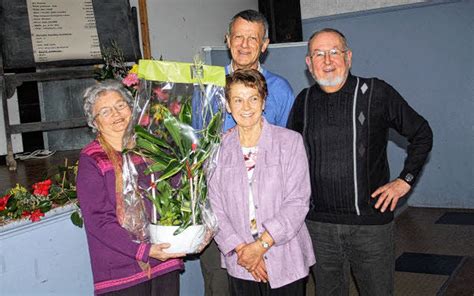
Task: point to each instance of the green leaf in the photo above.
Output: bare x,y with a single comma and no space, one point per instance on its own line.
153,149
214,126
174,166
186,112
152,156
44,204
143,133
77,219
156,167
156,202
186,206
164,188
182,227
71,193
173,127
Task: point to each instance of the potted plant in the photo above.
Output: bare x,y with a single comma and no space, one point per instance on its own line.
179,116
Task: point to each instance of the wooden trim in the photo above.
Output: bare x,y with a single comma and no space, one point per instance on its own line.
47,126
144,29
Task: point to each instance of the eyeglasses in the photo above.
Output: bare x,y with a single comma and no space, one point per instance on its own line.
332,53
107,111
253,40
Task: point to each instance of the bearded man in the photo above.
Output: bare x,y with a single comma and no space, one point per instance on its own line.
345,120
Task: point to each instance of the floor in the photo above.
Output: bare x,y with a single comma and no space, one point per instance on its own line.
434,247
33,170
434,253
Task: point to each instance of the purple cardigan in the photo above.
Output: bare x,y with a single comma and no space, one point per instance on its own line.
281,191
113,253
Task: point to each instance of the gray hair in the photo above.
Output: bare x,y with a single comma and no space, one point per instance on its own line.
327,30
250,16
94,92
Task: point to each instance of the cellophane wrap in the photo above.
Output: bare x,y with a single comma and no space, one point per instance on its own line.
135,218
177,124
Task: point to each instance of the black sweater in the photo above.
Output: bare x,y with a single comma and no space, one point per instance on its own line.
344,169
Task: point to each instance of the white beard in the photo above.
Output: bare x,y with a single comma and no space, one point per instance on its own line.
330,82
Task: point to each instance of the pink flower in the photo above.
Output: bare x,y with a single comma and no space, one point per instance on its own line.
130,80
161,95
145,120
175,107
194,146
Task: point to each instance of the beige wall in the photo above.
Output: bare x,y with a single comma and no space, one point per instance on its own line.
179,28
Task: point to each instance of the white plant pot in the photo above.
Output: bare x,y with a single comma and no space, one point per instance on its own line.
187,241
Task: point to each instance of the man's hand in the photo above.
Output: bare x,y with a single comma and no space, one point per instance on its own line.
390,193
157,251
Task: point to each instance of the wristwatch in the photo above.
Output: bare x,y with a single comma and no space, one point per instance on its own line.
264,244
409,178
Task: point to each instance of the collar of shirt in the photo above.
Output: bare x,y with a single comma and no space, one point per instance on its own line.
230,69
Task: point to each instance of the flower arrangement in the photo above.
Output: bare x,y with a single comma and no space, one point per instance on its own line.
19,203
180,120
115,67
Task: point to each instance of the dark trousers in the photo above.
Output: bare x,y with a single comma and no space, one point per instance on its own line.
215,277
239,287
163,285
367,250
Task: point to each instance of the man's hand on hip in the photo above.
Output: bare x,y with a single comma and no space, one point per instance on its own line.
390,193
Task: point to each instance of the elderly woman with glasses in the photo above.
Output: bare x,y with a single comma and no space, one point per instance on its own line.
260,193
121,265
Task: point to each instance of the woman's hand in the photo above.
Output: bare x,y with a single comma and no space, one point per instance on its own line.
260,272
250,255
157,251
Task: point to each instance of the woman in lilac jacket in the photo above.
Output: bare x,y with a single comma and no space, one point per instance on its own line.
120,265
260,194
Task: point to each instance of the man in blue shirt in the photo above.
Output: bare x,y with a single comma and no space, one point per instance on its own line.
247,39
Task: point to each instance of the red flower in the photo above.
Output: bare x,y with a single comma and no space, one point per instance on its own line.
4,201
175,107
42,188
36,215
194,146
25,214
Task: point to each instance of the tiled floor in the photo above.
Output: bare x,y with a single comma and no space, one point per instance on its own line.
418,235
425,243
432,258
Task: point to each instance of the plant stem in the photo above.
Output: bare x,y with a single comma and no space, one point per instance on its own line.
64,174
195,197
153,194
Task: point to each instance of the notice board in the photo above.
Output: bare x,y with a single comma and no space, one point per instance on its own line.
113,18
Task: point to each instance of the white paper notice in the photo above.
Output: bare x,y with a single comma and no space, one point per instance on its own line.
63,30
